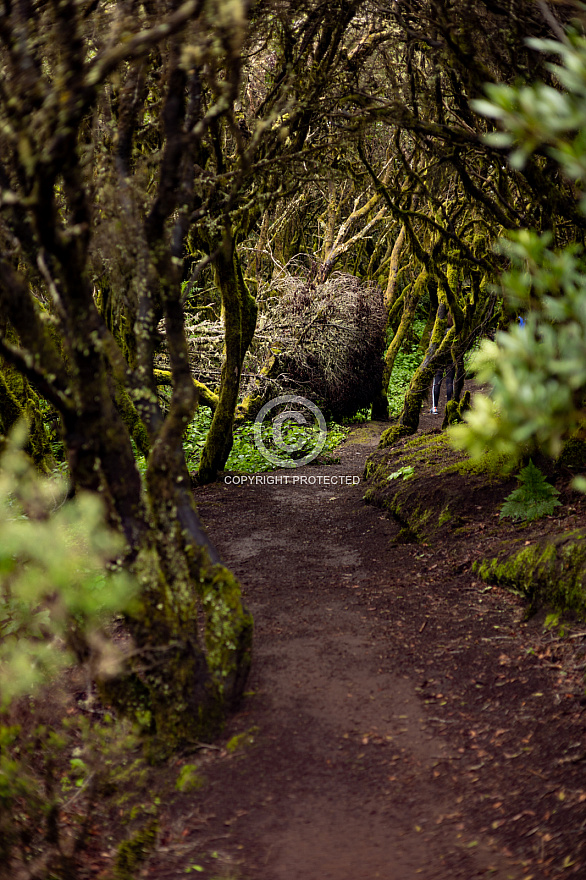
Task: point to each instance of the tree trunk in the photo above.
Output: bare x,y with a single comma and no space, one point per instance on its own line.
380,407
191,633
437,355
239,311
19,401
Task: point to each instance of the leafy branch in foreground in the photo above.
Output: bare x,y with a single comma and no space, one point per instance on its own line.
56,588
59,589
534,497
538,370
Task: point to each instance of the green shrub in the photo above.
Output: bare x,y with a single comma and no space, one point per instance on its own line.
244,456
538,370
406,362
56,588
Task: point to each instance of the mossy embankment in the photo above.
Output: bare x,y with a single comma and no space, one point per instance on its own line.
439,497
443,495
549,571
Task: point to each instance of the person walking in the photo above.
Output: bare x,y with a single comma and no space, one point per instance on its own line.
454,380
437,386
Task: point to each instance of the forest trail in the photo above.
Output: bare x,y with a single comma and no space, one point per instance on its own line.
401,720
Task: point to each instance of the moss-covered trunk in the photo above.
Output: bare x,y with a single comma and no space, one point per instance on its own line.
191,633
18,400
437,354
192,636
239,311
410,303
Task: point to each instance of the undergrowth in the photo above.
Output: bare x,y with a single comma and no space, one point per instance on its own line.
408,359
245,457
59,589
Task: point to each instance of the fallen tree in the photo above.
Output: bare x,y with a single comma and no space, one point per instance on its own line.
323,340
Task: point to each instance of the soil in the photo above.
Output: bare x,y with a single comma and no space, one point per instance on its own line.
403,720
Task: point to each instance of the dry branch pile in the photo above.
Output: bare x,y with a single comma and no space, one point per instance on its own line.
326,339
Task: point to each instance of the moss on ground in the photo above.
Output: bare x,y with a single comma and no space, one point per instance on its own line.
242,740
551,571
190,779
573,454
492,467
419,450
451,497
439,497
131,853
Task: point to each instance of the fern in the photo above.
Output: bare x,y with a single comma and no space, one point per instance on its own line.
535,497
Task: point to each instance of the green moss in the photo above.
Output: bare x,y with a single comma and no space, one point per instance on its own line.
252,403
228,633
10,408
19,400
406,536
573,454
363,433
134,851
241,740
415,510
132,421
451,416
239,311
418,451
455,410
185,699
425,441
207,397
549,572
419,518
464,405
494,467
393,434
412,519
131,696
189,779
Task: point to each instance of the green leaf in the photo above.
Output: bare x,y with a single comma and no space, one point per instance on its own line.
534,498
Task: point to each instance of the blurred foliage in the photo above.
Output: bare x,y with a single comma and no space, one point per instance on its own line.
537,115
537,368
59,588
56,587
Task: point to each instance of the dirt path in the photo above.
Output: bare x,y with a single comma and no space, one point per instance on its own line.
399,724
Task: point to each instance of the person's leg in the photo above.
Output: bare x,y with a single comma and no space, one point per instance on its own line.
435,390
450,373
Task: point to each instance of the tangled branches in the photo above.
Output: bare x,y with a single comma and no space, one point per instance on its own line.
323,340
